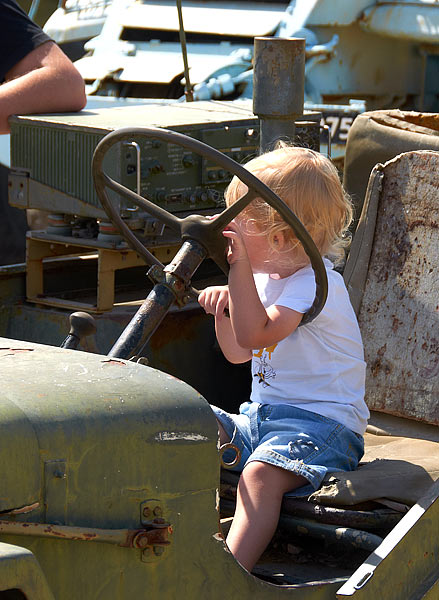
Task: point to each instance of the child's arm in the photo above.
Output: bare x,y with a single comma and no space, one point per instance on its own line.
254,326
215,300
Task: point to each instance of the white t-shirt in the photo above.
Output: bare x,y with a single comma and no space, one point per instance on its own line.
319,367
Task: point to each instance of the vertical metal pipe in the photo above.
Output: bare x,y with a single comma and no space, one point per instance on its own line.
188,87
278,84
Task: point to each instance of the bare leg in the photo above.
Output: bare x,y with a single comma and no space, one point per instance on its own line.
259,497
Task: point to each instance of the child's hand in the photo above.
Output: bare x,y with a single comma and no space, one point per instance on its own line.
215,300
236,250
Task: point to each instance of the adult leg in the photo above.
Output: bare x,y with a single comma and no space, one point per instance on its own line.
259,497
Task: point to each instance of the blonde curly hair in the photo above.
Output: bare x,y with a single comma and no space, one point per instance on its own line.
309,184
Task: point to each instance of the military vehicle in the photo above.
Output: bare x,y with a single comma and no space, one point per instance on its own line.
112,484
360,55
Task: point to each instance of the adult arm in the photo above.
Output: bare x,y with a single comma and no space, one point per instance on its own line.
44,81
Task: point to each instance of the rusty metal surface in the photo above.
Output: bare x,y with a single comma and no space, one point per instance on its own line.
279,65
137,538
399,316
185,263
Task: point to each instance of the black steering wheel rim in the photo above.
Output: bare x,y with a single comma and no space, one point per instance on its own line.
185,226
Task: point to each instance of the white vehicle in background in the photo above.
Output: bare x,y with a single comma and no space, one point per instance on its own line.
75,22
360,54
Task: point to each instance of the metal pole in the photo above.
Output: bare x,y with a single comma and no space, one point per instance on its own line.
188,88
278,83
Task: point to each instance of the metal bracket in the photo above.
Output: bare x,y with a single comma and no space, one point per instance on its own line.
175,284
18,188
151,516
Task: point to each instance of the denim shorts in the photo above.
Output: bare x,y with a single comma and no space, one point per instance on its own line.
298,440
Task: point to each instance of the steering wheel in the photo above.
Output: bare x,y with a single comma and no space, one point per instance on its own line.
207,232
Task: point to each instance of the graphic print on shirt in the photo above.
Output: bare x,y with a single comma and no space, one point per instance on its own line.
261,367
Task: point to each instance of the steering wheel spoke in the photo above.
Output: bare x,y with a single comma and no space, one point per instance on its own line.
164,216
232,211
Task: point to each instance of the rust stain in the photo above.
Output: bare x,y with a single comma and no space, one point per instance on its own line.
375,367
144,538
113,361
23,509
427,361
422,223
12,351
16,349
395,324
379,364
381,351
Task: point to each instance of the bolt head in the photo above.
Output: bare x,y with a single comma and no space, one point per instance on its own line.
146,511
158,550
142,542
157,511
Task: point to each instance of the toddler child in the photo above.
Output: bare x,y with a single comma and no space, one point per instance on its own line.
306,413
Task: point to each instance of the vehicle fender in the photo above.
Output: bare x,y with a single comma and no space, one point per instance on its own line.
19,456
20,570
105,434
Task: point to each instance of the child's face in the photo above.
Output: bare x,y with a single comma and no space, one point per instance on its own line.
265,257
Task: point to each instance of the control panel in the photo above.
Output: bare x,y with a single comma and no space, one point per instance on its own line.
180,180
55,153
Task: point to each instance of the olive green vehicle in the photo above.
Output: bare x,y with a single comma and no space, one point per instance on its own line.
112,482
